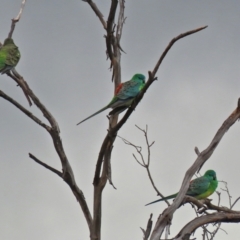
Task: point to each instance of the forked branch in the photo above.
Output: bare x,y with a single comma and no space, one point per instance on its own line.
201,159
142,162
67,173
111,135
53,129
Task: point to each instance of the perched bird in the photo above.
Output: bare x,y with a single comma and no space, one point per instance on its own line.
199,188
124,95
9,55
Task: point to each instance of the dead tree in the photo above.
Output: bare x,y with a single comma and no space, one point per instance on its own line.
113,26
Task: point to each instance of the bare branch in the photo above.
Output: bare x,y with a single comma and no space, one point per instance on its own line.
228,193
204,205
223,230
121,21
24,110
147,142
147,232
208,205
189,228
54,131
114,54
109,169
138,149
152,77
213,234
115,58
182,35
144,164
196,151
219,197
46,166
229,196
23,84
20,81
110,24
235,202
76,191
97,12
201,159
44,110
15,75
16,19
220,133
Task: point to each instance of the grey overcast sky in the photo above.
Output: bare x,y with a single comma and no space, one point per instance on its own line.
64,62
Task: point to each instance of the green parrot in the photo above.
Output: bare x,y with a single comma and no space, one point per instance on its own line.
199,188
9,55
124,95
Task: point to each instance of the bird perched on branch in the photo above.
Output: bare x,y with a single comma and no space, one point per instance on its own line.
199,188
9,55
124,95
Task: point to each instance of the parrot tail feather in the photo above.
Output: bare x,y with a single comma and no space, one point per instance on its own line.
162,199
94,114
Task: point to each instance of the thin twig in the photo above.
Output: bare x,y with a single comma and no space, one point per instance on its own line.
147,142
147,232
229,196
235,202
143,163
219,197
97,12
24,110
46,166
182,35
213,234
228,193
196,151
16,19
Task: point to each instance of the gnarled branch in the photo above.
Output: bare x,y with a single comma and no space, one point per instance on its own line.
189,228
201,159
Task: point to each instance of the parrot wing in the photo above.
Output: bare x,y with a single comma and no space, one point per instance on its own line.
13,56
198,186
124,95
3,57
9,57
126,90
